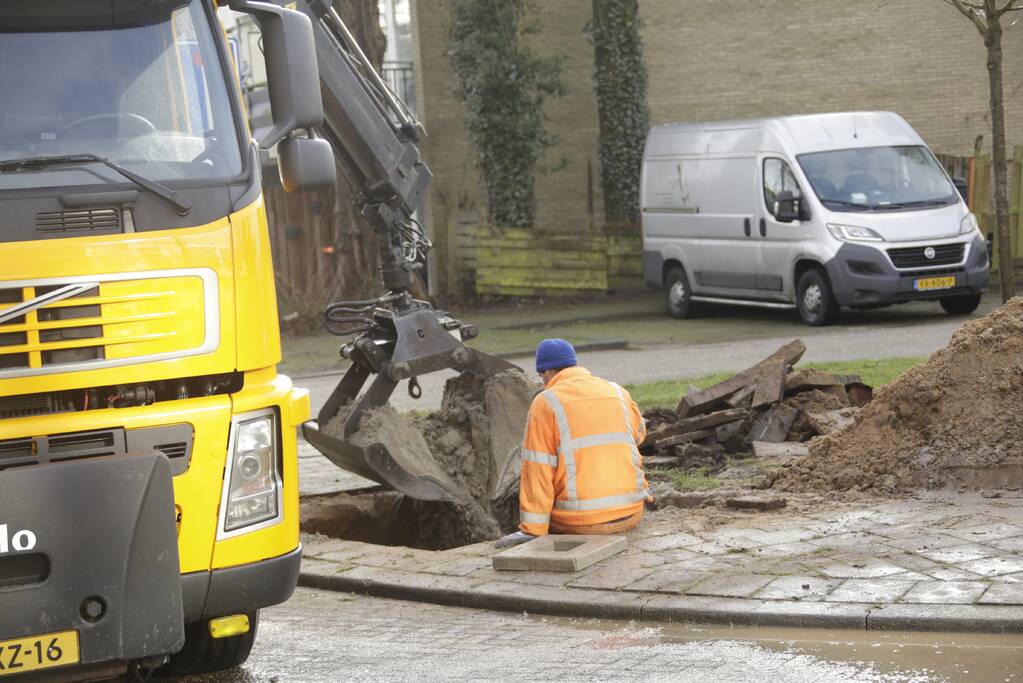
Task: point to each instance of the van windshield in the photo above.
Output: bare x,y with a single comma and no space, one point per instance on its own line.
878,179
138,82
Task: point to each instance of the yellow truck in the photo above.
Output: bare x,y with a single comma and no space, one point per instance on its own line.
148,466
148,470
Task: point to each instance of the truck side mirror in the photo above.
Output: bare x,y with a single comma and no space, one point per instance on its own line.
293,78
293,81
963,188
788,207
305,164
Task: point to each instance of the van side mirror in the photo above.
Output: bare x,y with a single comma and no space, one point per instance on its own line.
963,188
293,78
788,207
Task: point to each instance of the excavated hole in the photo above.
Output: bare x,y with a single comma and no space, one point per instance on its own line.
472,440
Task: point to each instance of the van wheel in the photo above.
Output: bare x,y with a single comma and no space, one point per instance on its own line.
677,294
815,299
961,305
203,653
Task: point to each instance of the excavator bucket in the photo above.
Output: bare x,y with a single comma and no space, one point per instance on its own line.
376,442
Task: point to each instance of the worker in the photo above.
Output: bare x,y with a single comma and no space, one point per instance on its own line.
581,468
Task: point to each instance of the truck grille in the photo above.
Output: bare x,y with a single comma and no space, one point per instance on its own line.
84,219
174,441
914,257
59,325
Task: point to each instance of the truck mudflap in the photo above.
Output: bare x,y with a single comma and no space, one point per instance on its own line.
88,550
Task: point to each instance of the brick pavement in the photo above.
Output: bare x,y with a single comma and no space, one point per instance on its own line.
927,562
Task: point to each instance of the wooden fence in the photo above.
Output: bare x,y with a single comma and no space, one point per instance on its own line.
977,171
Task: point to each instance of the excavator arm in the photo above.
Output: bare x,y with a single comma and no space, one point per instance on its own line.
395,337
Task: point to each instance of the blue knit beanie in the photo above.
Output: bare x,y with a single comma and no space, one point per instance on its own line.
554,354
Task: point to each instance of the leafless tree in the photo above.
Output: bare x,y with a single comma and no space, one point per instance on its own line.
987,16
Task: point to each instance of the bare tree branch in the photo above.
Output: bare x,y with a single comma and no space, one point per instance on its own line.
1009,6
971,12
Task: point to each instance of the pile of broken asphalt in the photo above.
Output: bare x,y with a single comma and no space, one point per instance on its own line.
934,562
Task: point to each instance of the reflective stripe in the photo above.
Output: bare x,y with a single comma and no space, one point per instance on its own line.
567,447
601,503
533,518
602,440
637,460
540,457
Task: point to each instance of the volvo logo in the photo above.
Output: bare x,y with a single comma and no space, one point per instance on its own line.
929,253
17,541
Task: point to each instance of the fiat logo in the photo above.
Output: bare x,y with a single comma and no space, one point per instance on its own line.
929,253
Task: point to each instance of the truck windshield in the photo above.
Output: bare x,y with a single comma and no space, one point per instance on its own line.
138,82
878,179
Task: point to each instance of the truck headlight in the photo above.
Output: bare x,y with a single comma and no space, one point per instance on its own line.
969,224
853,233
253,486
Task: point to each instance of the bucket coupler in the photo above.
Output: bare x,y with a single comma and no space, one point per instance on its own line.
399,345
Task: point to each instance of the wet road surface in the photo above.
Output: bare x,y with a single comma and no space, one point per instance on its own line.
323,636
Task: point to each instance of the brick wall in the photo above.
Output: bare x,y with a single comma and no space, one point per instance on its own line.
720,59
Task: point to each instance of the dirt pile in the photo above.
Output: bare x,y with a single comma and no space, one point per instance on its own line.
473,441
952,421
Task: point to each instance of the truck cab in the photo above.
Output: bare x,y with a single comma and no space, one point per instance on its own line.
148,469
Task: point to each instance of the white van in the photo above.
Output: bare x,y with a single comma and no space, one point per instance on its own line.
809,212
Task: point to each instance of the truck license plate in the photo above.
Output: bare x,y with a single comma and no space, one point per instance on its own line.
925,284
38,652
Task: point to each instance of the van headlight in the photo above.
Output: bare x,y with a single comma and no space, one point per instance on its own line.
969,224
852,233
253,486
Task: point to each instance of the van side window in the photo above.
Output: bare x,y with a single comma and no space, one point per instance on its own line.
778,177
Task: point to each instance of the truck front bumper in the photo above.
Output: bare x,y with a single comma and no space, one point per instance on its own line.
240,589
863,277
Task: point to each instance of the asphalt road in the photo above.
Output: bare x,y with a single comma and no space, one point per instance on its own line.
866,335
321,636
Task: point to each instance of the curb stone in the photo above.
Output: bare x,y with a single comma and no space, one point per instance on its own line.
577,602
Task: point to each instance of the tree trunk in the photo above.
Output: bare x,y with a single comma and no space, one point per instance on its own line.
993,42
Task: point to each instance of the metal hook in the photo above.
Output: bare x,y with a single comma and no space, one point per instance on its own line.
414,390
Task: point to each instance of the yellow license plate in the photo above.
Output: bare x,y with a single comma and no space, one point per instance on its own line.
928,283
38,652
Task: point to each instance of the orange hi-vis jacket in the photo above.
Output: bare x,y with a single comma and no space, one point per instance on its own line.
580,461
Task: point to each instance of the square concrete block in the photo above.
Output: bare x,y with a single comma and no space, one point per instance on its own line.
559,553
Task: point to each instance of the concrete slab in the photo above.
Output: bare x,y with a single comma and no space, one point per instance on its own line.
946,592
994,566
870,590
730,585
1003,594
797,588
559,553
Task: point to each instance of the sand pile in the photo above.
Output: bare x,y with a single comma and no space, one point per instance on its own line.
952,421
473,440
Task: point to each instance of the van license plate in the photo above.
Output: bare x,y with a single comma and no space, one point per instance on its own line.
926,284
38,652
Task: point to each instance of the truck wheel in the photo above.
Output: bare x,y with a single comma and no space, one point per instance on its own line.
203,653
961,305
815,299
677,294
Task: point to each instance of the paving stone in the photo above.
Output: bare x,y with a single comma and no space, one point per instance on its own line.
1003,594
667,542
785,550
915,543
986,532
993,566
730,585
458,566
873,569
870,590
1009,578
555,579
946,592
855,539
957,554
912,562
677,555
1011,545
559,552
953,574
611,578
797,588
671,580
